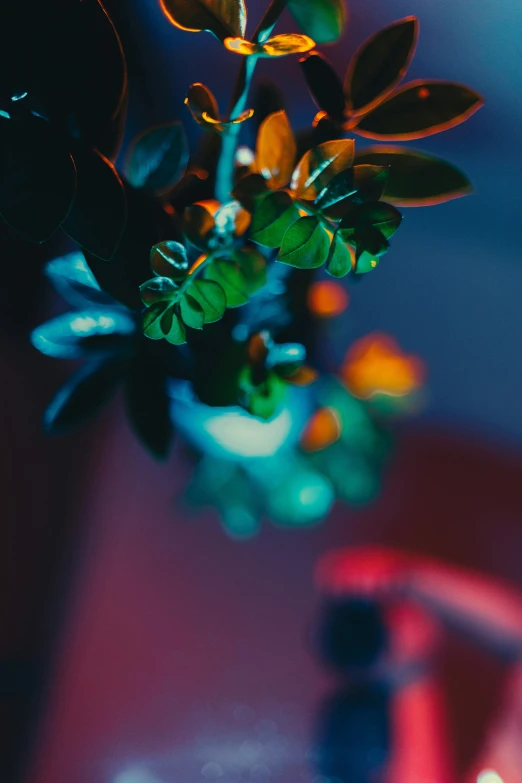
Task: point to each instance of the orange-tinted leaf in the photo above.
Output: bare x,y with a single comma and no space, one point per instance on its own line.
241,46
278,46
281,45
220,125
380,64
419,109
319,166
324,85
416,179
276,150
223,18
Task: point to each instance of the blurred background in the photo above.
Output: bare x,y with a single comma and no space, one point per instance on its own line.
141,645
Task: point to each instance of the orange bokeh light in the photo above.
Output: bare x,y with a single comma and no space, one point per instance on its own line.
377,365
326,299
323,429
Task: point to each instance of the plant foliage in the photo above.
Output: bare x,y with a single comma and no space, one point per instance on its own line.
194,266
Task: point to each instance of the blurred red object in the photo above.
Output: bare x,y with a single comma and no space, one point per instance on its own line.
417,597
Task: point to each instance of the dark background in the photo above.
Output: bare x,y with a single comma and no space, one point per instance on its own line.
133,637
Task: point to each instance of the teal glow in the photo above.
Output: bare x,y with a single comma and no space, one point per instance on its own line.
246,436
62,336
5,114
19,96
232,433
303,497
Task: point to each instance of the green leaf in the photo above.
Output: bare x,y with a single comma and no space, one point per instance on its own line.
305,244
276,150
191,312
158,157
248,189
261,399
198,225
223,18
98,215
419,109
173,328
322,20
320,165
339,262
38,178
211,297
73,279
148,405
82,396
253,265
84,333
358,185
169,259
273,215
324,85
231,279
201,101
379,215
366,262
370,244
380,64
151,320
158,289
416,179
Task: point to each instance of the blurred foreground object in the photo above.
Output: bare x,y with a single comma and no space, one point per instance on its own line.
383,617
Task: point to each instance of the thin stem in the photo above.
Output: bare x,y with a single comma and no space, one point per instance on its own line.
225,167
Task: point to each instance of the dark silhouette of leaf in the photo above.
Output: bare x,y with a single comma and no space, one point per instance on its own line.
37,177
325,86
148,405
305,244
248,189
357,185
416,179
419,109
198,225
78,334
380,64
200,100
97,218
98,75
158,157
273,215
379,215
276,150
322,20
223,18
82,396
